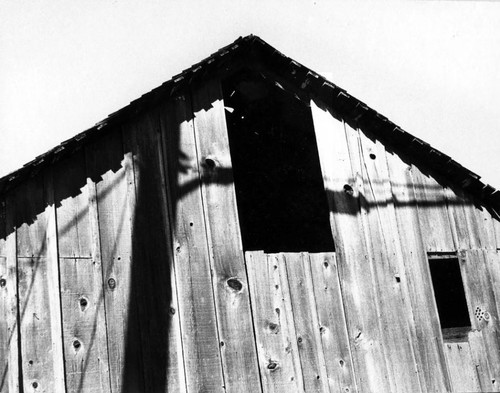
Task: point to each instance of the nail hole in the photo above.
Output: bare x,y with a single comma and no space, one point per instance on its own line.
372,156
276,286
235,284
317,376
277,311
3,282
322,330
35,385
83,302
222,343
325,264
76,344
30,362
341,362
299,340
171,311
191,224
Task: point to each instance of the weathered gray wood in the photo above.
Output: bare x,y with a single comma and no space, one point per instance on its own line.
53,284
271,326
352,254
85,352
35,321
332,323
108,166
151,259
12,375
465,235
432,213
239,357
4,327
496,228
307,328
175,373
481,299
461,366
41,359
420,291
197,315
288,320
84,325
386,255
486,380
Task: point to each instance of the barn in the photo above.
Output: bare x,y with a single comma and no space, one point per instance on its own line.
248,226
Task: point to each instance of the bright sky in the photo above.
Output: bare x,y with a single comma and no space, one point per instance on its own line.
432,67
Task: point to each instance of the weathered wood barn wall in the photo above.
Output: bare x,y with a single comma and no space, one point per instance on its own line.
123,269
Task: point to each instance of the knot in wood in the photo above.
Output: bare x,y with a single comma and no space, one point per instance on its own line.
348,189
274,328
112,283
272,365
235,284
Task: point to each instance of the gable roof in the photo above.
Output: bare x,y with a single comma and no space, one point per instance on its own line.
253,52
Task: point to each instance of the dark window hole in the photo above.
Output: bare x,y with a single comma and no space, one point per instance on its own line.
449,292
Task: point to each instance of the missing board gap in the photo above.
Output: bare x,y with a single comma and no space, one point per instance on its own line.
280,194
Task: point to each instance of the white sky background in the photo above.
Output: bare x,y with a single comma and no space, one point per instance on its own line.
431,67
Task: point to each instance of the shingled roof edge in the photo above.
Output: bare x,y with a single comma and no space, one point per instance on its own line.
185,77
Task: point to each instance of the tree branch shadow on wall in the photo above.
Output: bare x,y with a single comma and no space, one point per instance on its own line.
149,315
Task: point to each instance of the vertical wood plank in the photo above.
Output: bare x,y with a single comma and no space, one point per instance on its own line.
72,196
197,315
85,353
85,341
41,359
54,285
151,263
355,276
176,372
482,302
386,255
302,297
462,368
230,286
288,320
331,319
464,233
276,362
479,357
108,166
420,291
432,213
4,327
13,375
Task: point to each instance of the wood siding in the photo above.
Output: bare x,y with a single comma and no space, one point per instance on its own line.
122,270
